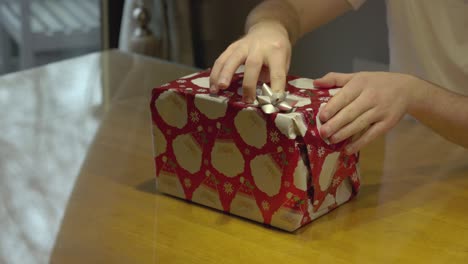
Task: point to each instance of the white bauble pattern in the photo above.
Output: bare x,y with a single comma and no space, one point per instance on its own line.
251,127
240,69
169,183
172,108
203,82
159,141
246,206
207,196
332,92
266,174
212,107
287,219
301,174
314,215
344,192
303,83
328,201
301,101
328,170
188,152
226,158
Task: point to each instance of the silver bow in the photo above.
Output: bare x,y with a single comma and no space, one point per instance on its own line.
271,102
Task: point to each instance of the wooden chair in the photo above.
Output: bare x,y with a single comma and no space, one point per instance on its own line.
47,25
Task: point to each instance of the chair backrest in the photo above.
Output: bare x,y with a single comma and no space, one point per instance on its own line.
19,13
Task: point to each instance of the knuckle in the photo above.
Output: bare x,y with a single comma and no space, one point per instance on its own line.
392,121
234,45
330,74
278,45
253,62
277,76
219,61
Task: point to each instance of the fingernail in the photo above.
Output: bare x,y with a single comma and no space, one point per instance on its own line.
323,116
213,89
223,81
324,132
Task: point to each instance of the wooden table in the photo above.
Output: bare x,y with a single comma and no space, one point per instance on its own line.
77,184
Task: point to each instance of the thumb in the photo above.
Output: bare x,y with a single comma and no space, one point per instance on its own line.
333,79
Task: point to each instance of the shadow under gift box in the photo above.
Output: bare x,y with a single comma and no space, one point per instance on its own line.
271,168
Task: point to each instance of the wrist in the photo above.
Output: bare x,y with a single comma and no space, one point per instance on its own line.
269,24
418,89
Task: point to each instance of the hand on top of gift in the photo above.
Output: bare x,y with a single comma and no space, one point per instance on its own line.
266,44
370,104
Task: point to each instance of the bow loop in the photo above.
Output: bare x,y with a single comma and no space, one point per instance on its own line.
271,102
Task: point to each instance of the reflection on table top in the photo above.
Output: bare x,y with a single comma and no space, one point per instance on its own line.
76,184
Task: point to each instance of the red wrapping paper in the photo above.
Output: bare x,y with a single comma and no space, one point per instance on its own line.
271,168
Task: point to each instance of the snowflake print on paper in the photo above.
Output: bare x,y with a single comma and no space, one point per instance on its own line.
310,149
274,137
181,81
228,93
291,149
194,116
287,184
324,99
182,86
355,177
321,152
187,182
313,133
241,179
164,85
228,188
335,182
265,205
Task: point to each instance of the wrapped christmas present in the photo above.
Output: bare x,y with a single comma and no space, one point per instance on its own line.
264,161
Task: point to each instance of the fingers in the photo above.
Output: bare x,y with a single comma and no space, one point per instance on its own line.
374,131
348,94
217,67
345,116
230,66
253,66
361,123
278,70
333,79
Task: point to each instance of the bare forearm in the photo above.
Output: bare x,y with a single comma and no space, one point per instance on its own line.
441,110
297,16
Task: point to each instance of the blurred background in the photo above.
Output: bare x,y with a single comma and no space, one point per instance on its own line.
37,32
189,32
